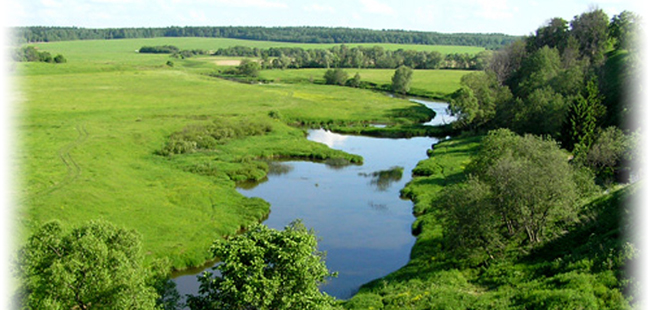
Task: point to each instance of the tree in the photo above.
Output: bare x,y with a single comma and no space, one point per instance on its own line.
402,80
476,102
581,123
248,67
624,28
95,266
266,269
530,179
590,30
356,81
335,77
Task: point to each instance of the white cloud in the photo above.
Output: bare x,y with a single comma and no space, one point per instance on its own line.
319,8
374,6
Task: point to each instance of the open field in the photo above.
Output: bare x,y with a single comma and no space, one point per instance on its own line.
89,132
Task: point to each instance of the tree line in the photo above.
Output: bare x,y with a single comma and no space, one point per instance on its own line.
344,56
281,34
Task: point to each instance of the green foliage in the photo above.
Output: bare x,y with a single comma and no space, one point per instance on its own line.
335,77
355,81
582,118
401,81
32,54
475,103
60,59
266,269
96,265
162,49
590,29
624,28
524,184
248,67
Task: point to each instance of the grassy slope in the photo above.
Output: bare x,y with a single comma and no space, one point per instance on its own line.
88,131
582,269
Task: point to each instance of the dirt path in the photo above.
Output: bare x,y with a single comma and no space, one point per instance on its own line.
74,170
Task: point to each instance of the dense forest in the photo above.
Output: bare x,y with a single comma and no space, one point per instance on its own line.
281,34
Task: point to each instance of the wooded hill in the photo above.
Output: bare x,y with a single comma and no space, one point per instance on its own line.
282,34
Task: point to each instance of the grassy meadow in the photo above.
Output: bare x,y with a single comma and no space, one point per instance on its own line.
90,134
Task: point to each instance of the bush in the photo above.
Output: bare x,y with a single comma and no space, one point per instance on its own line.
335,77
60,59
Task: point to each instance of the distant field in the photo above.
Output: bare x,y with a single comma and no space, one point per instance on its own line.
89,129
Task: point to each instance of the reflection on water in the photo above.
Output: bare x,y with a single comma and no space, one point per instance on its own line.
383,179
364,226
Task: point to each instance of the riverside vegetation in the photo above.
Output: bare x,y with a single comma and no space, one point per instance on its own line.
126,138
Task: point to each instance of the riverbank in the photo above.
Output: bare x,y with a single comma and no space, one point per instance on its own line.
573,270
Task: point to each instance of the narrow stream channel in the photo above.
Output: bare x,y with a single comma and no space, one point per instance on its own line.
362,223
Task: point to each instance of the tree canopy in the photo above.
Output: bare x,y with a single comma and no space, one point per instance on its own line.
94,266
266,269
401,81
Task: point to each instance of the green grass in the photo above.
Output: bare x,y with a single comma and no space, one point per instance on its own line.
89,130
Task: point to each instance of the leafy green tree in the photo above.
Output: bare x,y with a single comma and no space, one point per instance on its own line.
531,182
335,77
476,102
606,156
590,30
95,266
541,113
60,59
554,35
538,70
624,28
266,269
474,228
248,67
402,80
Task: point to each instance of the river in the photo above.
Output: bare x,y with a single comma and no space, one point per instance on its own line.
356,211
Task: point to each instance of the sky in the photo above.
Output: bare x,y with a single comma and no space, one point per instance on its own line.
520,17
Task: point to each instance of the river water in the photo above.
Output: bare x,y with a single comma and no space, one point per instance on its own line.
356,211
